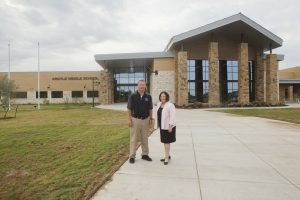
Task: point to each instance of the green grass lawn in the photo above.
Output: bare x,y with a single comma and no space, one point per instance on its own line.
283,114
60,152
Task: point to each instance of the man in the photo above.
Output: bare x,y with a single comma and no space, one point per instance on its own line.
139,118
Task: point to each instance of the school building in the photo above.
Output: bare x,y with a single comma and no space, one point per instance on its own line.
230,60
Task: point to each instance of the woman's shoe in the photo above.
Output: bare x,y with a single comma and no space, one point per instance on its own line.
166,162
163,160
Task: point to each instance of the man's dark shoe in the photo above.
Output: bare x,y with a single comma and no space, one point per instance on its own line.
131,160
146,157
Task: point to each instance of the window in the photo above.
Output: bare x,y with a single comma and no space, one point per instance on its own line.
129,75
56,94
91,94
205,70
198,75
191,70
19,95
232,80
251,80
286,93
229,80
232,70
205,77
126,79
43,94
77,94
192,88
191,80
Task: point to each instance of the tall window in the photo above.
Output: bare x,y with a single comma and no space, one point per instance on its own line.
232,80
192,79
229,80
205,75
198,80
251,80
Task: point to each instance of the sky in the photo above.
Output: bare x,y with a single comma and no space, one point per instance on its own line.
71,32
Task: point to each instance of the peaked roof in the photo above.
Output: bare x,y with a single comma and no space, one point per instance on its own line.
276,41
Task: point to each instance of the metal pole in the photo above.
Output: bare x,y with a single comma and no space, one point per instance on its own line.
93,94
39,106
9,76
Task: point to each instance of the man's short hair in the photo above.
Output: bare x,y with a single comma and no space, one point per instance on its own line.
141,81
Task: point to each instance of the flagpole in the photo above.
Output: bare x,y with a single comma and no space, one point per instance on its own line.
9,75
39,106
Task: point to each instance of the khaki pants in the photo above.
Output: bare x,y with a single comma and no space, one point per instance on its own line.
139,130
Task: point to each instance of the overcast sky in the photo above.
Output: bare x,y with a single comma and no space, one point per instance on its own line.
70,32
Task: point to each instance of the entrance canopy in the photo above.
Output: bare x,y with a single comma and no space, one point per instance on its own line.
130,59
289,81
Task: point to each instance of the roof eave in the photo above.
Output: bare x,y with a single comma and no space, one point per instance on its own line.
220,23
102,59
289,80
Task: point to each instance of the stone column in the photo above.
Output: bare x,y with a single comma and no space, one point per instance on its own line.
164,80
243,74
106,88
272,84
213,80
260,71
181,81
176,81
291,93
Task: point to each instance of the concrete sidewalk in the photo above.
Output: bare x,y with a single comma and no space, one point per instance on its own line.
216,156
116,106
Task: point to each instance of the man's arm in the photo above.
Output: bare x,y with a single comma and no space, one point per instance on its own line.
129,118
129,111
150,110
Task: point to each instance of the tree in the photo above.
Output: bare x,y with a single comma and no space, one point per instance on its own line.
6,90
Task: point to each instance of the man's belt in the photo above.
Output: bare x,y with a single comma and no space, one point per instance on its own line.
139,117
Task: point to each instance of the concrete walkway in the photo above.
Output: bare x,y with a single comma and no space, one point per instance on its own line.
115,106
216,156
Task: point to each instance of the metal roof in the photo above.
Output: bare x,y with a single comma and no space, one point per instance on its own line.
280,57
221,23
127,59
232,27
122,56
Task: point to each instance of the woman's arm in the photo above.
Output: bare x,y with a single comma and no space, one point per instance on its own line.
155,109
172,112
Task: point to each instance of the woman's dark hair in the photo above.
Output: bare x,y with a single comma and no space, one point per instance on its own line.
167,95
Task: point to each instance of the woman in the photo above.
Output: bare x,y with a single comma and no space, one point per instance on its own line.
166,123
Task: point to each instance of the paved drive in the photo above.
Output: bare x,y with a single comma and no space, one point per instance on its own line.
216,156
